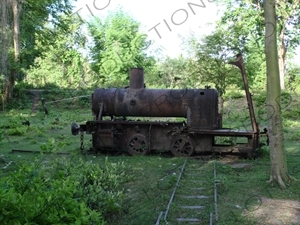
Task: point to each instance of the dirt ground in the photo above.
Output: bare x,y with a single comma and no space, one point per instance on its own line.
276,212
269,211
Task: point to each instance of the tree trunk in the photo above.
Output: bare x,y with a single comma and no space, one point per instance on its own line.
279,171
282,57
16,4
221,105
5,43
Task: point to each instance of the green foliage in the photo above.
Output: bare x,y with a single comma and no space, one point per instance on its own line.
293,78
60,64
35,16
62,191
1,137
13,125
21,98
211,56
235,94
260,99
28,196
293,113
118,46
99,185
295,136
263,152
245,24
172,73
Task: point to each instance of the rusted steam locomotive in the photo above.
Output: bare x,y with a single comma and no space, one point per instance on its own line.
197,133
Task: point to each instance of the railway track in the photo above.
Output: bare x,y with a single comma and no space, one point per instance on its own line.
194,197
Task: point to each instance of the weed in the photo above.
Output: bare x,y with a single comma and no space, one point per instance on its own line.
263,151
295,136
260,99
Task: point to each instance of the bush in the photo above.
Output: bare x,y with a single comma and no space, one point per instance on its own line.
263,151
30,197
235,94
61,192
293,113
260,99
13,124
98,184
295,136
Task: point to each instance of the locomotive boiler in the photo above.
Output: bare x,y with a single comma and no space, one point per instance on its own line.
137,120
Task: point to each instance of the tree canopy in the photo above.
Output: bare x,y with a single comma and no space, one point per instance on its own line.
21,22
245,19
118,45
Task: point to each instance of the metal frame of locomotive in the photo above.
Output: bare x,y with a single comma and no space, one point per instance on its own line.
196,133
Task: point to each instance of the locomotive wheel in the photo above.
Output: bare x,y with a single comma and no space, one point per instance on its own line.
137,145
182,147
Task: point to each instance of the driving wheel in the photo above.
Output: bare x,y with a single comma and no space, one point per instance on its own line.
137,145
182,146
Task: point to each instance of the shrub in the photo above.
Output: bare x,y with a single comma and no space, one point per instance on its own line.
61,192
295,136
28,196
293,113
260,99
263,151
99,185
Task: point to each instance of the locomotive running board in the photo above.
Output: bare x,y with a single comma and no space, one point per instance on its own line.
223,132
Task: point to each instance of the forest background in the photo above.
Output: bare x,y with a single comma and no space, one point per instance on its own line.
76,45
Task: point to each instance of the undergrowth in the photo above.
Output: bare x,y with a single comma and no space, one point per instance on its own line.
64,190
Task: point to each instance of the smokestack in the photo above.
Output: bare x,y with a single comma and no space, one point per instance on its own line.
136,78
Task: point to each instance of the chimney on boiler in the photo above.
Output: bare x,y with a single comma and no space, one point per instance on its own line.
136,78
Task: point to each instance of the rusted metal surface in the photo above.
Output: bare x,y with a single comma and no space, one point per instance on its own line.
240,64
198,108
136,78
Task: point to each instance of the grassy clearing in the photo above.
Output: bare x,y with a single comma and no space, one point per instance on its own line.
150,179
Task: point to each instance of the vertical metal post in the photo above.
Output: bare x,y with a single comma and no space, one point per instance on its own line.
240,64
100,111
136,78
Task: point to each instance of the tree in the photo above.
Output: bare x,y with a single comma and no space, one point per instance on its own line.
118,45
171,73
210,62
279,171
21,26
34,17
245,18
5,45
16,8
293,77
60,62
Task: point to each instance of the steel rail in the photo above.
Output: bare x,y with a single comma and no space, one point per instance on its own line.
215,192
159,218
174,190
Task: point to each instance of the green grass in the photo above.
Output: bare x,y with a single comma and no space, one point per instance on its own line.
151,178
